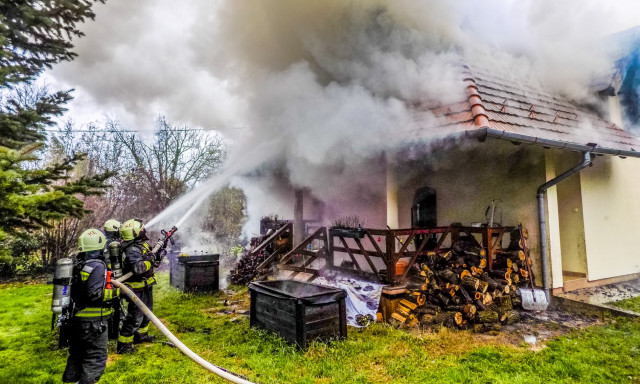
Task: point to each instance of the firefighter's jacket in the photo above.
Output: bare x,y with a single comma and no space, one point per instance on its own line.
89,291
139,260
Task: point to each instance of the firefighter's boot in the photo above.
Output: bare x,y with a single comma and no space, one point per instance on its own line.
140,338
124,348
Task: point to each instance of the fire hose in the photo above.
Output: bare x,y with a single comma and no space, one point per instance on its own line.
183,348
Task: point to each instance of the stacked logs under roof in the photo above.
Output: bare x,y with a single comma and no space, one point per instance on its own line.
456,289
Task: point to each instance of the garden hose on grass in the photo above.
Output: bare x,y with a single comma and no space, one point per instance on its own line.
183,348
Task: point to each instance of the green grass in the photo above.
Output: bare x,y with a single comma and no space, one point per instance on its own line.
377,354
632,304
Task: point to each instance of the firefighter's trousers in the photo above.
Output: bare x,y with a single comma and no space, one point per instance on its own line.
87,351
136,323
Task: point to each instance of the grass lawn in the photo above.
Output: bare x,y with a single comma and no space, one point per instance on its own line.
632,304
377,354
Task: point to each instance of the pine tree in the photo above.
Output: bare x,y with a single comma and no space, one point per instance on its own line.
35,35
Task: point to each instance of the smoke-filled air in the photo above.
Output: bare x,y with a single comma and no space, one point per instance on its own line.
312,94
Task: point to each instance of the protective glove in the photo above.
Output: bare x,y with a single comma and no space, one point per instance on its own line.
159,257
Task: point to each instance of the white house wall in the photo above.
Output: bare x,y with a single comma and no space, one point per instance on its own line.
611,210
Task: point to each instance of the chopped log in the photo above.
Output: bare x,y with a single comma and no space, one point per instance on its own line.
419,298
412,322
427,319
487,299
469,310
465,295
480,305
516,301
425,311
504,303
464,273
515,267
502,263
501,273
478,296
412,306
433,284
454,308
493,284
482,286
430,307
510,317
449,319
470,282
404,311
458,318
402,319
483,263
516,254
443,299
488,317
448,275
487,327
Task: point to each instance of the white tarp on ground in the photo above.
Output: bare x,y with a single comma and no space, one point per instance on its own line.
363,297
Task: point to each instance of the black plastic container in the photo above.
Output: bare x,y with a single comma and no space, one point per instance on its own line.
195,273
299,312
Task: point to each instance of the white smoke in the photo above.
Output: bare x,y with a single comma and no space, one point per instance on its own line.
329,85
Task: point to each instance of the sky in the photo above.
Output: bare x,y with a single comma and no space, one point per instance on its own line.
316,88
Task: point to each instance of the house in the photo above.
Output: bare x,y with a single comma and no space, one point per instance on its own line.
567,173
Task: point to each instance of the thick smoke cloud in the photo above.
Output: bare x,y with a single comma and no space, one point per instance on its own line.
328,85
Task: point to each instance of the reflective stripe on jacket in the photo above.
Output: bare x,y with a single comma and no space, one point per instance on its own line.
138,259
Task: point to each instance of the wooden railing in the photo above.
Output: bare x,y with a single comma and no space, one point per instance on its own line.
374,253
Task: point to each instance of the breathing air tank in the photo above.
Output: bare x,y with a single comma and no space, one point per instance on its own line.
115,258
62,285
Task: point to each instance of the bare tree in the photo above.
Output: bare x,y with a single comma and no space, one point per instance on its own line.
155,172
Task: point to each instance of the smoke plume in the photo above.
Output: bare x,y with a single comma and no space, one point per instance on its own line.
313,93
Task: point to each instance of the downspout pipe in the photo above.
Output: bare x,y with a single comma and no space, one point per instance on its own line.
542,190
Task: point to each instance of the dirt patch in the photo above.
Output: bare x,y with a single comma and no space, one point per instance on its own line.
535,329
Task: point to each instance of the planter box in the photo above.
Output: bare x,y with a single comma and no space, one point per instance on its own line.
195,273
348,232
298,312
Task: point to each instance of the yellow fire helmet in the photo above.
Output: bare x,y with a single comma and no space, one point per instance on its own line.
131,229
91,240
112,225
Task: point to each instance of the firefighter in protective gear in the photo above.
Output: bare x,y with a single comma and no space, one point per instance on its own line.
139,260
90,295
113,257
112,230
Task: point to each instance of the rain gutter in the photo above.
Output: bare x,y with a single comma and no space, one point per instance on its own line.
483,132
542,217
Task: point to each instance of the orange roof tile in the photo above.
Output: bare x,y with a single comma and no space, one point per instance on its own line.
522,111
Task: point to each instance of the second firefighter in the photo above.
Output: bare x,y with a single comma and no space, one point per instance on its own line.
139,260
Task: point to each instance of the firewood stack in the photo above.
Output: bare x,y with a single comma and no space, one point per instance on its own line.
456,289
246,268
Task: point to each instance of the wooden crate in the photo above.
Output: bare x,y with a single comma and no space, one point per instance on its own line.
298,312
195,273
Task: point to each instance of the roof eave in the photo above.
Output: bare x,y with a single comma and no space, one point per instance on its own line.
484,132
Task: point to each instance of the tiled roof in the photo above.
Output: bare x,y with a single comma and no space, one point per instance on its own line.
503,107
